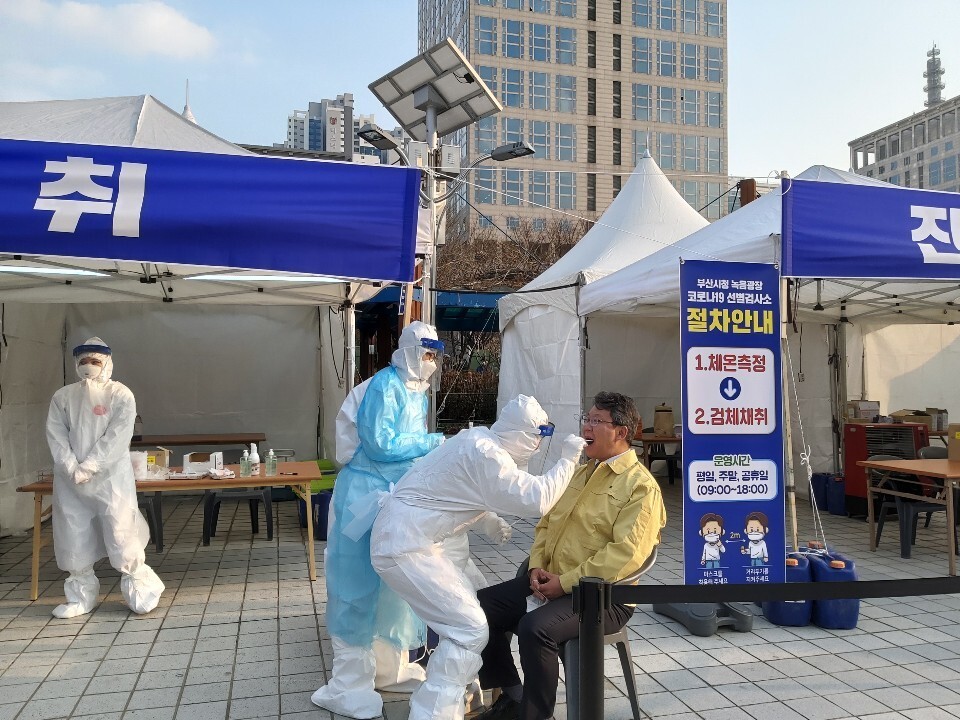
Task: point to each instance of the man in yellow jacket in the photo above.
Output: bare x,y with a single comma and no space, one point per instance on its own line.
605,525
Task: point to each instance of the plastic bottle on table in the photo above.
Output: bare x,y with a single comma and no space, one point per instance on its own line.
271,463
254,460
245,464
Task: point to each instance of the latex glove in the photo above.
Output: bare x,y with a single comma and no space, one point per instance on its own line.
572,446
495,528
84,472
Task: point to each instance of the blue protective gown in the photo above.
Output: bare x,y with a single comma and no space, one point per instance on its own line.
392,426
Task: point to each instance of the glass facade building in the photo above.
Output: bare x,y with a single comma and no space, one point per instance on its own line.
592,85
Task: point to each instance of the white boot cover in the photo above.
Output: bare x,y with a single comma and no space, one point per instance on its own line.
395,673
473,696
350,691
441,697
81,589
141,588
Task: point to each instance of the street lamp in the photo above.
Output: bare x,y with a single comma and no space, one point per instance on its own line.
435,94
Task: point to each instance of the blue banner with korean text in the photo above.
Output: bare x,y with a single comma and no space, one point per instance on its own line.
840,230
335,219
733,501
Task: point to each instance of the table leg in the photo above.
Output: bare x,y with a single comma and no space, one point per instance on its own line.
311,559
951,527
871,520
35,562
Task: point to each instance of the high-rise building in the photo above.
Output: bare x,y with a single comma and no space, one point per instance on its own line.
330,126
919,151
592,85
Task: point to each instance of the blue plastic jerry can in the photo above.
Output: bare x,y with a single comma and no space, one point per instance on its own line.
794,613
834,614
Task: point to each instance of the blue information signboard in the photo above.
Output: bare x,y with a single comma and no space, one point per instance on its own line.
733,505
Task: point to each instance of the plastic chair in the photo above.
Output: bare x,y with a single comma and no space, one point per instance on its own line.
908,510
658,451
213,498
934,452
620,638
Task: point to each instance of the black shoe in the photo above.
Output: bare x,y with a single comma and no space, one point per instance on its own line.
504,708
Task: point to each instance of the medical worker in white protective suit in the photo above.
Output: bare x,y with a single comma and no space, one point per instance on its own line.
442,497
95,512
370,627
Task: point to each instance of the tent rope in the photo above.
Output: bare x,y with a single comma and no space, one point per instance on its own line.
818,529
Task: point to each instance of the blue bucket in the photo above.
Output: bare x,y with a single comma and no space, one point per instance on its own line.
819,482
834,614
321,506
794,613
837,495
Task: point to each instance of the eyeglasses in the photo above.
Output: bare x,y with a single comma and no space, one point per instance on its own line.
591,421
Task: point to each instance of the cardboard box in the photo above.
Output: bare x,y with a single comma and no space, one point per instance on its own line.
912,416
862,409
858,421
939,416
159,457
201,462
953,443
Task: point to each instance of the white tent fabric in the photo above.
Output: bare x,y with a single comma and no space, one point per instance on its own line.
541,353
194,369
135,121
638,307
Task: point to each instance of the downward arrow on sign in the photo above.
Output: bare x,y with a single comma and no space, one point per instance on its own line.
730,390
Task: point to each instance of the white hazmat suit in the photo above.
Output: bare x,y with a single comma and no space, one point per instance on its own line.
432,507
95,512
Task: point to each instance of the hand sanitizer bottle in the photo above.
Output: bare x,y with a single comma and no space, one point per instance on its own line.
254,460
271,463
245,464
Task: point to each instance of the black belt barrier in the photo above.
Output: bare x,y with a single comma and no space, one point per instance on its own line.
592,596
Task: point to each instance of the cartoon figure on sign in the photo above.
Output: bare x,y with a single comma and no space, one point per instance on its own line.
756,530
711,530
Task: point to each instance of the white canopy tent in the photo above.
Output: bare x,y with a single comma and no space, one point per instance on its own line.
836,319
541,329
200,355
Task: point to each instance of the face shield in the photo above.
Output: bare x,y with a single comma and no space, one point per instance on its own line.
430,366
546,432
93,360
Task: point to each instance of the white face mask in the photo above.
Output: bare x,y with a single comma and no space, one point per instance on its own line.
711,537
755,536
427,368
90,372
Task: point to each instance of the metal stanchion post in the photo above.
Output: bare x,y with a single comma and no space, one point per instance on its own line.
591,597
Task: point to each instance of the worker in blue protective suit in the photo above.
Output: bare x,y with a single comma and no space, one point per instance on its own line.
370,627
95,510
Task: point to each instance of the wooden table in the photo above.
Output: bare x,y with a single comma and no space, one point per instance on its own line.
650,438
295,475
948,471
201,439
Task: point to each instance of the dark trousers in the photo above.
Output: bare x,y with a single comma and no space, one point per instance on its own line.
540,633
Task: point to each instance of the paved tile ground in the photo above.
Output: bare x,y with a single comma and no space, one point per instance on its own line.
241,633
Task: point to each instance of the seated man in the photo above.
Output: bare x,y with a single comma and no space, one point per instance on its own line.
606,524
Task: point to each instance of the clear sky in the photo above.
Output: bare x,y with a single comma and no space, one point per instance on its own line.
805,76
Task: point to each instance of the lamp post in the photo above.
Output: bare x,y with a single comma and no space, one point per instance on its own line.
381,140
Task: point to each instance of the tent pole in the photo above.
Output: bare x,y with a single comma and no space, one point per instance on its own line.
842,388
789,482
349,345
582,322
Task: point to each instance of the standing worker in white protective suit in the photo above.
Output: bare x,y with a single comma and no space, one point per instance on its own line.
95,512
371,628
441,497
